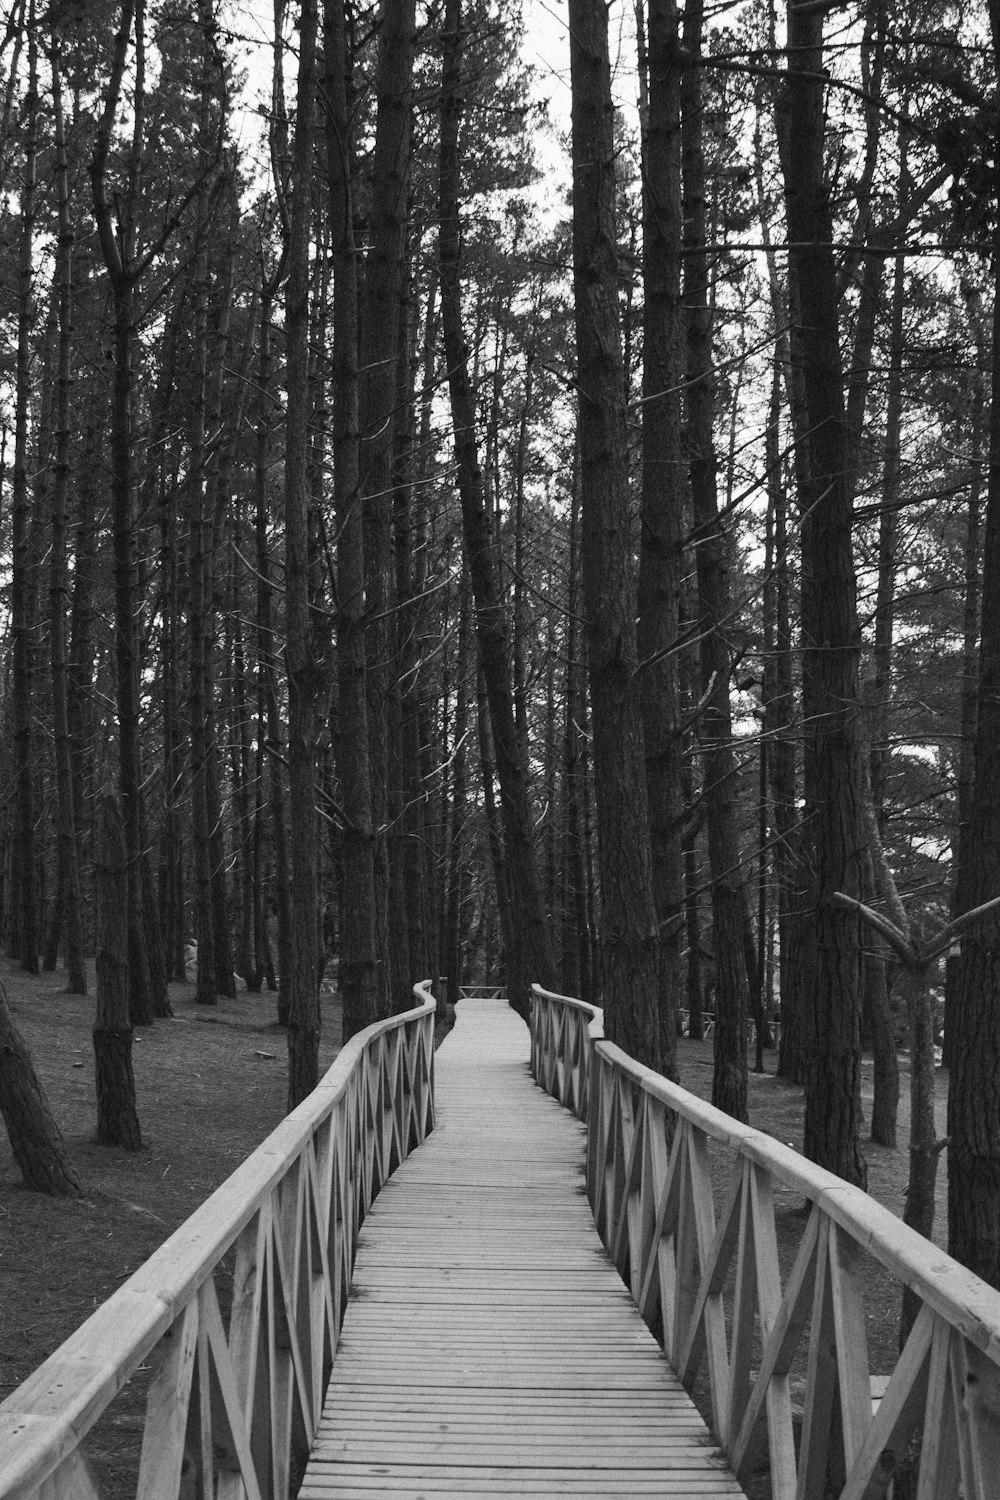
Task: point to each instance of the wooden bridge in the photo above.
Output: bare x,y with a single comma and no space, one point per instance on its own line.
489,1344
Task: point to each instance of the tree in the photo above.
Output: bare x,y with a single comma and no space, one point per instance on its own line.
661,542
729,1081
973,1097
380,355
23,573
117,1119
306,657
35,1138
69,867
359,977
831,1031
629,938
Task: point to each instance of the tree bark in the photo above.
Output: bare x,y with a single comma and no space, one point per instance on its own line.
359,959
69,866
974,1084
729,1079
117,1119
661,542
970,651
831,1034
630,941
35,1138
26,904
376,400
304,655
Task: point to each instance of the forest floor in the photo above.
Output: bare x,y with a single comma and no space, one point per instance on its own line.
210,1085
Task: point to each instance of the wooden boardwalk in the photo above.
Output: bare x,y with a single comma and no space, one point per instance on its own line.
489,1347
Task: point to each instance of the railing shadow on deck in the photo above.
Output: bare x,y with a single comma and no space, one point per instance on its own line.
783,1353
236,1383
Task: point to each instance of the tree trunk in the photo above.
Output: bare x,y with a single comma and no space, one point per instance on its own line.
117,1120
69,867
305,661
270,729
200,632
359,959
879,1015
171,868
575,950
451,954
410,538
974,1085
376,401
630,939
661,542
26,903
729,1080
831,1034
970,652
35,1138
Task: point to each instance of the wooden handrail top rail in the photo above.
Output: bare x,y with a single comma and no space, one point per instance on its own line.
951,1289
43,1421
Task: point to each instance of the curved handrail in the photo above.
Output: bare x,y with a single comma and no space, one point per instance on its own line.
237,1383
707,1282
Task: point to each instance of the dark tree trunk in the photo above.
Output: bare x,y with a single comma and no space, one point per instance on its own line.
171,868
661,543
117,1119
35,1138
200,632
879,1015
974,1085
376,401
410,535
359,966
452,949
831,1034
629,938
25,900
304,655
270,731
970,651
69,867
80,666
576,945
780,735
729,1080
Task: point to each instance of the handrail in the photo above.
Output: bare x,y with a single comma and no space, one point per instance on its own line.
482,992
236,1383
708,1283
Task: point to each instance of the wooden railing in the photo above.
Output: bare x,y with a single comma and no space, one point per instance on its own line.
234,1321
761,1306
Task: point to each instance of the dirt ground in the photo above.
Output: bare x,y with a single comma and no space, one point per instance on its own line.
211,1085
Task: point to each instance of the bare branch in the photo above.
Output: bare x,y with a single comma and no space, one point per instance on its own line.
897,940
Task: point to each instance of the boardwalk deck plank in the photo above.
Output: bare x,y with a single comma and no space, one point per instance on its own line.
489,1347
